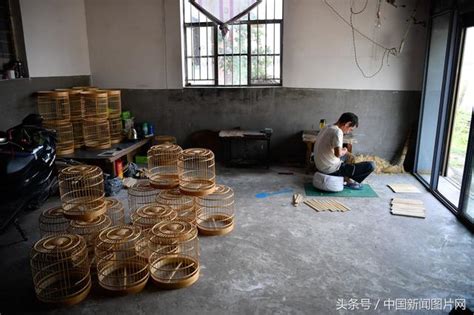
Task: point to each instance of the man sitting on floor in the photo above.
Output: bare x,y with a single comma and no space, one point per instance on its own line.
329,154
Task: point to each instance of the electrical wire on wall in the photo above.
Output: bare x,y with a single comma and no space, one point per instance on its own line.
387,51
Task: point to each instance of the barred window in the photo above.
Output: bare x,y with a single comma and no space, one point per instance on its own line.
249,55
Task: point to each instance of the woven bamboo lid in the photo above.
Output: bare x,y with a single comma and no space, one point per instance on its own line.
64,243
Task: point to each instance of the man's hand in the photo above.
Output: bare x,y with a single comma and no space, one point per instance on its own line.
339,152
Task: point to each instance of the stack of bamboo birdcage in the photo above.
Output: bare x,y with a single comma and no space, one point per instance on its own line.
54,107
82,116
64,259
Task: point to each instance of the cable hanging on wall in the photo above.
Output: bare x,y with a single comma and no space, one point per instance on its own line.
387,51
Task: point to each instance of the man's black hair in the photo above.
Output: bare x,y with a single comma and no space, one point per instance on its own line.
349,117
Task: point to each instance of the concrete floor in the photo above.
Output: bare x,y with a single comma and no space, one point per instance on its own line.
282,259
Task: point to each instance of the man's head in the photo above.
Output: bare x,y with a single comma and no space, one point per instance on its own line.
347,122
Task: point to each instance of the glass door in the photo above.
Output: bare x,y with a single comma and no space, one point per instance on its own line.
451,175
433,96
467,205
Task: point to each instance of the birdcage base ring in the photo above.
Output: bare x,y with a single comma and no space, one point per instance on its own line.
53,281
97,146
164,181
115,141
111,277
64,151
215,224
168,262
198,188
89,216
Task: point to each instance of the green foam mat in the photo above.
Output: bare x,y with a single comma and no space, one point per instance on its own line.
365,192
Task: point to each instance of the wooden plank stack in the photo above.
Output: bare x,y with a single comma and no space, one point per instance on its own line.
408,207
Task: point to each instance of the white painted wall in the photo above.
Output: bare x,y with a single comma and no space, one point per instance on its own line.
55,37
134,43
318,48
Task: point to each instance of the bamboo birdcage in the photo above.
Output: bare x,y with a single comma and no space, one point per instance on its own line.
53,105
174,254
116,130
60,269
89,231
119,267
148,216
82,192
53,222
115,211
78,133
95,105
196,171
163,165
64,135
141,194
182,204
115,103
76,103
215,212
96,133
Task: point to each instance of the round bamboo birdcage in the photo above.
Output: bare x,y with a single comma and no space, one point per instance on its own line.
60,269
115,103
76,103
95,105
146,217
116,130
53,222
141,194
163,165
89,231
53,105
196,171
82,192
182,204
162,139
96,133
115,211
119,267
215,212
174,257
64,135
78,133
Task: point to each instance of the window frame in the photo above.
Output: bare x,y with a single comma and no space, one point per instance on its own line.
17,37
215,53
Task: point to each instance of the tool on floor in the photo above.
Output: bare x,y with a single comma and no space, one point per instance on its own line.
408,207
326,204
403,188
268,194
297,199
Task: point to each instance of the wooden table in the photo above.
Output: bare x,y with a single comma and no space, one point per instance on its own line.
309,138
107,162
246,135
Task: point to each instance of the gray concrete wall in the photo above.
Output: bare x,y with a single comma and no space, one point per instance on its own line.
17,96
385,116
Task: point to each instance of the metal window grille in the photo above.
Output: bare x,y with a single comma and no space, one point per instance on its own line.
249,55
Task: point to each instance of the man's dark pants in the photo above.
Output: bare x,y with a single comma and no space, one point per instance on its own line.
357,171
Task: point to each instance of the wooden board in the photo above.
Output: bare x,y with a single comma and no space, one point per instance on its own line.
407,207
406,201
404,188
409,214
